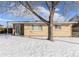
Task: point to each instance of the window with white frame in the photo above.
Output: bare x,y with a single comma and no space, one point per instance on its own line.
57,26
37,27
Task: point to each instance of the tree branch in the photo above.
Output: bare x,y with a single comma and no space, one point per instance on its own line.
47,5
56,3
30,8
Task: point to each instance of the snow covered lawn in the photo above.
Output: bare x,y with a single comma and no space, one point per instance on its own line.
25,47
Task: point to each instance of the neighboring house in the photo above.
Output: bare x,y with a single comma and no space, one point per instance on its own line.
75,26
41,29
74,19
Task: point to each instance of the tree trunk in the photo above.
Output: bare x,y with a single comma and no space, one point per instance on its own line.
50,32
50,29
50,24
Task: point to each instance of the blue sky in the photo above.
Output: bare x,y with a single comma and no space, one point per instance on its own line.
67,14
68,10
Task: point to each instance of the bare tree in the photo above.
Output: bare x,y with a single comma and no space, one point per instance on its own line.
51,6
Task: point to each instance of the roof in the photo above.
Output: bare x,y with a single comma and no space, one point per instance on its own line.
1,25
42,23
31,23
74,19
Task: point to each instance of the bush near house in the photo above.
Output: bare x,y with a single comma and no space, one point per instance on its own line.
9,30
1,30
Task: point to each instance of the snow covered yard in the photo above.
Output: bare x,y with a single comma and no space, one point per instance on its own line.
14,46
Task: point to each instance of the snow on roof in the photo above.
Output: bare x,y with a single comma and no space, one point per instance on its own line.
42,23
74,19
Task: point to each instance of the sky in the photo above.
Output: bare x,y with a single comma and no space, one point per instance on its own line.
63,12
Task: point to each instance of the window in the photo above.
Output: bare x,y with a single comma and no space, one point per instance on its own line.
57,26
35,27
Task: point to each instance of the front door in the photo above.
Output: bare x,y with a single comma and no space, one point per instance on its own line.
17,29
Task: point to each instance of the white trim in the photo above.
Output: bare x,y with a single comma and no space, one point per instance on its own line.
43,22
64,22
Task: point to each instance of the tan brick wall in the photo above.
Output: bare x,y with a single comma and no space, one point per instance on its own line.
66,30
29,32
